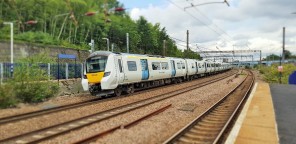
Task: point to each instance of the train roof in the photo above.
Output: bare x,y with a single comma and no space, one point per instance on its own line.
107,53
100,53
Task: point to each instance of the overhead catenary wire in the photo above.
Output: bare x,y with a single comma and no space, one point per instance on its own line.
230,38
199,20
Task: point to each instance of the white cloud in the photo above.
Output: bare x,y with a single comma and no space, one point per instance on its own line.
255,24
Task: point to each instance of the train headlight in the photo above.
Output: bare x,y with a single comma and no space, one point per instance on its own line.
107,74
84,77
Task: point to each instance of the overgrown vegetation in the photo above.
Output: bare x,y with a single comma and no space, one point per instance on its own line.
271,73
73,23
7,96
29,84
272,57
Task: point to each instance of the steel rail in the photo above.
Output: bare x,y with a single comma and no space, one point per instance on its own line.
28,115
46,133
96,136
218,138
194,122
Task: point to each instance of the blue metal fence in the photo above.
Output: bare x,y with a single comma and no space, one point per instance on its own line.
65,70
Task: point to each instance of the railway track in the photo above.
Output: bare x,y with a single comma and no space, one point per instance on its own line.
62,128
210,126
33,114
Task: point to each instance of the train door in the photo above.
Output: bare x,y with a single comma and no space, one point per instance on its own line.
206,67
173,68
145,71
196,66
120,70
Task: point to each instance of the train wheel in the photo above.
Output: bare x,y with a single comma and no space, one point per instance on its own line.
117,91
131,89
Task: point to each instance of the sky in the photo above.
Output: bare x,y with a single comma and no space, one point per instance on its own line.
244,25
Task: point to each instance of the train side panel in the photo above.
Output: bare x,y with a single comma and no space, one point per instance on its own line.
191,67
132,69
159,68
109,80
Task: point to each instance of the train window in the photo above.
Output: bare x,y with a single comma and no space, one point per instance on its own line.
183,65
96,64
120,66
132,66
164,65
179,65
155,65
199,65
193,65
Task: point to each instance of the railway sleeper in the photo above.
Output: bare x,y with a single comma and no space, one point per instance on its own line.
188,141
213,125
199,132
215,117
206,127
197,138
226,113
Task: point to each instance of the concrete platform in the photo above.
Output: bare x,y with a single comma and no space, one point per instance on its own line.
257,122
284,101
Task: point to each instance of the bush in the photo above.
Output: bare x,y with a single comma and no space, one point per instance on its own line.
37,37
7,96
36,91
29,83
271,73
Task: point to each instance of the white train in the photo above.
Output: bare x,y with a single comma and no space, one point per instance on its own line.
113,73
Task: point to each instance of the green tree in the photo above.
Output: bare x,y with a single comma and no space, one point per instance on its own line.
288,54
272,57
64,23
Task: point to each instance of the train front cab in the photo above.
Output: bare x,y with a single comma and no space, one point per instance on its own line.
102,73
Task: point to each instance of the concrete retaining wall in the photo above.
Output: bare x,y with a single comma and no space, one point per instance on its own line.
22,50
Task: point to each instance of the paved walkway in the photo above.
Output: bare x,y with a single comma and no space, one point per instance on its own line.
284,100
256,124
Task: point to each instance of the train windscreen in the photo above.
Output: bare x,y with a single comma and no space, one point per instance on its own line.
96,64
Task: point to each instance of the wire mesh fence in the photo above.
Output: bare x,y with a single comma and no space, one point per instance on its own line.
54,71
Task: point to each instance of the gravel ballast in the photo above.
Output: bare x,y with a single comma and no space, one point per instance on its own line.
55,118
160,127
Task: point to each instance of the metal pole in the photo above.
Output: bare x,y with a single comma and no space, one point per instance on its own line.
1,73
108,43
127,42
92,45
67,71
164,45
48,70
280,75
112,47
187,42
11,46
82,70
252,61
260,56
75,69
283,55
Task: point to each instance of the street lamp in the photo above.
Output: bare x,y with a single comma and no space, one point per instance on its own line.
107,42
11,45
